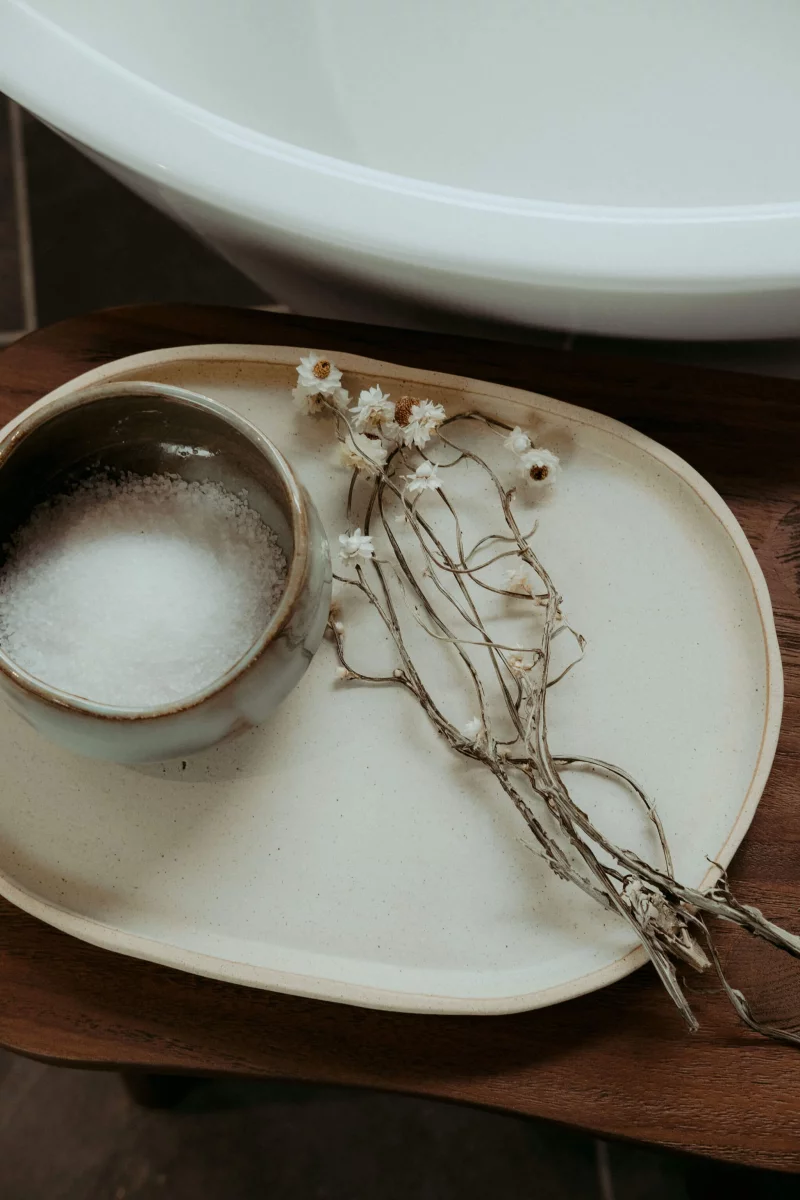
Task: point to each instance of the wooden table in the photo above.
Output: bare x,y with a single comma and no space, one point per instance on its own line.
618,1062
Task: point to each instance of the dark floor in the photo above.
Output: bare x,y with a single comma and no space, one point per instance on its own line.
77,1135
72,239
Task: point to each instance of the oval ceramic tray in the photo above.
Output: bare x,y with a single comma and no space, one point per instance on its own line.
342,851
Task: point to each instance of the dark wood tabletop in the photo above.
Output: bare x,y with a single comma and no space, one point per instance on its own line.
618,1062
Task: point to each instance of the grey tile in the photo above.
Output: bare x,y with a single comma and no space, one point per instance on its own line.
95,244
642,1173
11,315
638,1173
76,1135
705,1180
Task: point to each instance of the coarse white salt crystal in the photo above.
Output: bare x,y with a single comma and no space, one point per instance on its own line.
139,591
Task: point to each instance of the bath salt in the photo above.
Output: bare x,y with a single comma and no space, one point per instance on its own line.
138,591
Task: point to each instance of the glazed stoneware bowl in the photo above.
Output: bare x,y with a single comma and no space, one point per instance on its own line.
153,429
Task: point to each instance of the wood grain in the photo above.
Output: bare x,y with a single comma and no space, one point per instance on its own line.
618,1062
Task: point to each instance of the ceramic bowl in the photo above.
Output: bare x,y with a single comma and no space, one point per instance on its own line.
151,428
609,167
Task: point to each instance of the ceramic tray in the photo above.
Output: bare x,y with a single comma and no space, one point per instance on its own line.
342,851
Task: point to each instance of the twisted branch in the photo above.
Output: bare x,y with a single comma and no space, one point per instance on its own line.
667,917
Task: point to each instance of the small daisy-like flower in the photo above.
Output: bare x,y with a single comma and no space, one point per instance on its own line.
393,428
402,410
423,421
355,545
318,382
517,441
517,580
392,434
473,730
374,408
318,374
424,479
363,454
539,467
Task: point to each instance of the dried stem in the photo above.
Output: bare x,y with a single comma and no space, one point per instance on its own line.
666,916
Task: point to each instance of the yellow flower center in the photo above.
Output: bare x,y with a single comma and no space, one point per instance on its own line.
402,409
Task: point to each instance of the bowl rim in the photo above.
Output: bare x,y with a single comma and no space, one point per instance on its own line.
298,566
182,148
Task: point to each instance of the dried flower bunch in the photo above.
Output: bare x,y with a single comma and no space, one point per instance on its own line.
400,453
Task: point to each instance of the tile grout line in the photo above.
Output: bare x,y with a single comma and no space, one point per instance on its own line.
24,236
603,1169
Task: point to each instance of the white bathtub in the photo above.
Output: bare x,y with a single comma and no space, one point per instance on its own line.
615,166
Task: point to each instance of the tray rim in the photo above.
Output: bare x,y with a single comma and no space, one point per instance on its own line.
109,937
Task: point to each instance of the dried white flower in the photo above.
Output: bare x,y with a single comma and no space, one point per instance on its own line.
374,409
318,374
539,467
424,419
518,580
424,479
392,434
355,545
342,674
473,730
339,627
517,441
318,382
363,454
401,410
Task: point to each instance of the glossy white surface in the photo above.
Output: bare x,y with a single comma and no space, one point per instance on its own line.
341,850
612,167
612,103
